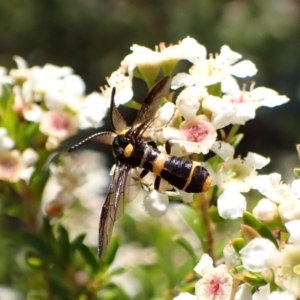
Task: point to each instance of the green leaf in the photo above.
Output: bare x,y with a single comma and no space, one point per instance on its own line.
236,139
133,104
262,229
112,250
89,257
187,246
193,220
238,244
63,242
215,89
78,241
297,173
36,243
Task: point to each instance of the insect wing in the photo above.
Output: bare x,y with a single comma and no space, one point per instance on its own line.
110,210
152,102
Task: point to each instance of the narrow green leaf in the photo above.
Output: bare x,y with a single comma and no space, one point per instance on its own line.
193,220
187,246
112,250
262,229
235,141
89,257
63,242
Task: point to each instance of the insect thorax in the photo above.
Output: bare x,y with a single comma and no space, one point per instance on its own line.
128,151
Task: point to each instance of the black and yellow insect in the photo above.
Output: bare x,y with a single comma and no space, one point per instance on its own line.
132,149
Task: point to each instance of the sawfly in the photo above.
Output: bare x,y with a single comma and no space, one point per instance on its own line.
132,148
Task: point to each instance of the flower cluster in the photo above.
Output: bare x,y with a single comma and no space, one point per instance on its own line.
204,101
200,117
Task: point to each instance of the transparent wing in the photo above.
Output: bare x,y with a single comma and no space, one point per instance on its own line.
110,210
152,103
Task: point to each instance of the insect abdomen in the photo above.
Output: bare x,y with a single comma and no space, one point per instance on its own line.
186,175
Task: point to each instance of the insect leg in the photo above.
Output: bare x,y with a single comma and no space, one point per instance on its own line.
144,173
157,183
168,147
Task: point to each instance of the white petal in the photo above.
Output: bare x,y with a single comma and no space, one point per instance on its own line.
156,204
293,229
243,69
227,55
259,255
182,79
185,296
281,296
244,112
243,292
205,265
265,183
262,293
295,187
258,161
231,204
30,156
266,211
223,149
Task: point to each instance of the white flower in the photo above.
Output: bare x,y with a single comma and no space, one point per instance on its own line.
146,60
220,111
236,174
266,211
188,49
195,135
94,109
123,85
231,204
232,259
260,254
216,283
156,204
287,271
246,102
281,296
188,101
223,150
293,229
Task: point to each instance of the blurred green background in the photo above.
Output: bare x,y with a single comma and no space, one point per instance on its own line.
93,36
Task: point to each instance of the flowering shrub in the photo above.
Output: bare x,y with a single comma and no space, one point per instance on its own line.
53,199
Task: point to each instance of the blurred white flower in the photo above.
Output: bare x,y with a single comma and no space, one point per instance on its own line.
58,125
259,254
7,293
15,165
94,109
185,296
4,79
6,142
